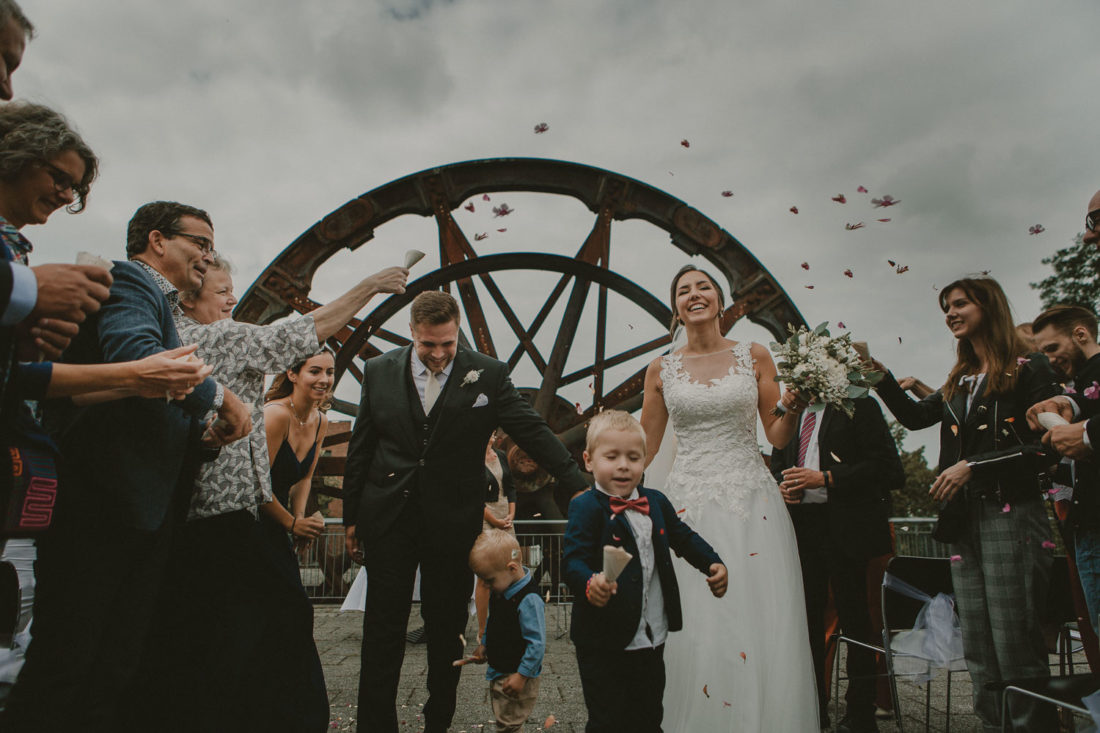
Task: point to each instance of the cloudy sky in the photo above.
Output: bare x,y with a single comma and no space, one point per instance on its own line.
979,117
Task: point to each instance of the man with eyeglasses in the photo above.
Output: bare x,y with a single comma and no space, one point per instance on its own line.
131,465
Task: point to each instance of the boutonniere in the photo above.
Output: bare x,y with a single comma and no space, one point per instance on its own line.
471,376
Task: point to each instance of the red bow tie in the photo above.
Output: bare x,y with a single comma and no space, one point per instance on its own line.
619,505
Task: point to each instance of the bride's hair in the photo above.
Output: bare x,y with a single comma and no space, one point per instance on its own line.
672,293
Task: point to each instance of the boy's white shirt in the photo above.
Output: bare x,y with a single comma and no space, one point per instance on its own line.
653,600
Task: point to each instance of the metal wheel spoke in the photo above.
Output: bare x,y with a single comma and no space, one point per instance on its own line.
620,358
540,318
454,247
562,345
526,344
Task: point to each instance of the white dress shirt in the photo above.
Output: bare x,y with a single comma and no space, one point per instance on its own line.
421,373
653,615
813,459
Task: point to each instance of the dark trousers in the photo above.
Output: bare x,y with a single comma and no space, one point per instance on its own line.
95,597
623,690
446,583
824,564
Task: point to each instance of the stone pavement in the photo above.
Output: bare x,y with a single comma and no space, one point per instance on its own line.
338,636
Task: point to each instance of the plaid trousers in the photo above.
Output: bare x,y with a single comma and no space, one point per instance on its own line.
1000,590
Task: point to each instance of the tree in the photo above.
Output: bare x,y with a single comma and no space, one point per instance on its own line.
912,500
1076,278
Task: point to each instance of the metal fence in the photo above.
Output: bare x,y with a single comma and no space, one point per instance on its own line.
328,573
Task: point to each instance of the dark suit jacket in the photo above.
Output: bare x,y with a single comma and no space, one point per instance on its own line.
991,433
863,459
1086,488
127,455
591,526
392,459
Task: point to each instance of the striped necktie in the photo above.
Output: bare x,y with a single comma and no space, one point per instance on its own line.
808,422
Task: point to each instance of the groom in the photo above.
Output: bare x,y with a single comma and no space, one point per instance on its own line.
414,495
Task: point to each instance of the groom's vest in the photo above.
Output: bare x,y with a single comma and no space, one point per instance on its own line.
424,425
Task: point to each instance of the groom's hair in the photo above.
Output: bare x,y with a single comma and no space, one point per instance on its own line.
434,307
493,549
611,420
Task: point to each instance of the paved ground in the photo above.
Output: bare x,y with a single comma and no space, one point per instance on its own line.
338,636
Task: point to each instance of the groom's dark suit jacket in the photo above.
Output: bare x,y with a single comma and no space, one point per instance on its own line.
591,526
863,459
398,455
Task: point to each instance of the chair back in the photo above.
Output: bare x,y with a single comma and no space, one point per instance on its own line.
929,574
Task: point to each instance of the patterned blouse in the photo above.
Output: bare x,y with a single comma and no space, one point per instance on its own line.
242,354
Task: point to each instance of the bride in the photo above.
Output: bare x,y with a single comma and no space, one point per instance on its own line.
741,664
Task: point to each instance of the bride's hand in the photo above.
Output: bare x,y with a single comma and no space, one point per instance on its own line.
718,579
793,402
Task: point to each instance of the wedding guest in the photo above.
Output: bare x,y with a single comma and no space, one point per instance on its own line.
514,639
619,626
1067,335
295,423
836,477
916,386
15,31
499,512
1092,221
101,565
988,486
224,585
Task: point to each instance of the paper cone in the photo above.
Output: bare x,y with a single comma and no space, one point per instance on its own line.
87,258
412,257
1050,419
862,350
317,515
614,560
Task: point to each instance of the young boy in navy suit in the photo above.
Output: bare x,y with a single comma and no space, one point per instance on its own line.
619,628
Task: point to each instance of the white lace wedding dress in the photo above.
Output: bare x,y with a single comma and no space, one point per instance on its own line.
742,662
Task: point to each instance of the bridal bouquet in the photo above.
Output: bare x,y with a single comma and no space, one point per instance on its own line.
827,370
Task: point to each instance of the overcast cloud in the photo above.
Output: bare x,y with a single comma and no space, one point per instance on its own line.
979,117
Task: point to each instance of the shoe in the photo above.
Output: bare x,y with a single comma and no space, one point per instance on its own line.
857,725
417,636
883,713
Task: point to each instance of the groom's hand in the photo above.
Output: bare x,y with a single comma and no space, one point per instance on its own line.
718,579
355,551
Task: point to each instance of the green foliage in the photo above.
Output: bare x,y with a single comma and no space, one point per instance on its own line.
912,500
1076,278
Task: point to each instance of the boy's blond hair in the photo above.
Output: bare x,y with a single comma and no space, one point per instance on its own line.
611,420
493,548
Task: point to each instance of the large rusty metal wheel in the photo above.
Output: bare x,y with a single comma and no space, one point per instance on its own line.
286,284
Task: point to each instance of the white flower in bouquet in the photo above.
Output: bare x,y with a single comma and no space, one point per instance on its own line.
826,370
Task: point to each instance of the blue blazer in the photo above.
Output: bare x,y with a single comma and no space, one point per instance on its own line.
126,456
591,526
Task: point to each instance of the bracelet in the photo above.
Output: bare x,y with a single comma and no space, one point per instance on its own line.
292,521
587,587
781,407
826,481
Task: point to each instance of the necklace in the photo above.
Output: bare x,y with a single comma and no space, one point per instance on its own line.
294,411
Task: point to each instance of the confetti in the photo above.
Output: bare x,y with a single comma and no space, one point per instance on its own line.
882,220
705,691
463,640
809,287
956,558
835,457
1021,360
502,210
1037,229
502,230
744,657
485,197
805,265
954,429
899,339
753,554
1092,392
848,274
902,268
982,427
891,263
861,189
726,704
616,538
1066,389
550,720
469,207
840,198
1047,545
547,595
685,143
1010,419
852,227
793,209
1006,509
682,510
580,410
884,202
480,236
765,518
541,128
727,194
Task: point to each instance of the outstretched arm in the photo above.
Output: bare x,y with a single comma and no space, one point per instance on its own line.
333,316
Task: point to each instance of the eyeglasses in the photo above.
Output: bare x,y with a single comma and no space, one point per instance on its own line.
202,243
63,182
1092,220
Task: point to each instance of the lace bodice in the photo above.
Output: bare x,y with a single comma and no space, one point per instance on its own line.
717,454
